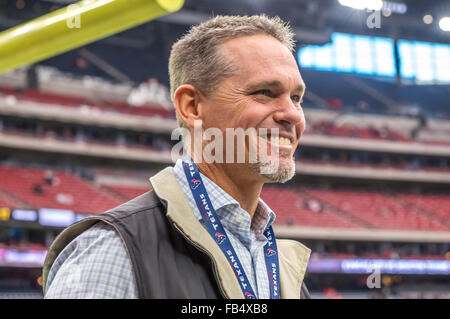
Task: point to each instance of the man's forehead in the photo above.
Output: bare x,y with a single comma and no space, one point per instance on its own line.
255,49
263,60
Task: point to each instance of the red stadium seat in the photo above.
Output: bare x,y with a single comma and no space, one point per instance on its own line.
127,191
67,192
289,208
378,209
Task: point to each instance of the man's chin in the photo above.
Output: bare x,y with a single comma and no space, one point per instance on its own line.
276,171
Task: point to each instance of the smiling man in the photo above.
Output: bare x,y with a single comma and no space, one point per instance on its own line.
203,231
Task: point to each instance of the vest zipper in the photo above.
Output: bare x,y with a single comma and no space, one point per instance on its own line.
219,284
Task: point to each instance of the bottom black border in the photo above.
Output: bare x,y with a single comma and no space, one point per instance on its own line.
180,308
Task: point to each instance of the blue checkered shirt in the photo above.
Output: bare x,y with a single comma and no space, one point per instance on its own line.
96,265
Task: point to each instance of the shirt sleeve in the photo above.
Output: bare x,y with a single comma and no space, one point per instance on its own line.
95,265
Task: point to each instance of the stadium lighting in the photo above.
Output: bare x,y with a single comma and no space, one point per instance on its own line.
427,19
386,12
395,7
362,4
444,24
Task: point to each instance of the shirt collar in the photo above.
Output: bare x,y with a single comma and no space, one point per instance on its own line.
224,204
266,216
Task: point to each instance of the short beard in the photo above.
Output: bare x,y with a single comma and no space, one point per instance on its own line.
275,172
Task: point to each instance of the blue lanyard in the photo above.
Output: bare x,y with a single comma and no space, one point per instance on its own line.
217,232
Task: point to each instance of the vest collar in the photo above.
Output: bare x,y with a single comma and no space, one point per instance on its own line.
293,256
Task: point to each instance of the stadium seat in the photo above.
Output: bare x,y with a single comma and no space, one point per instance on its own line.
67,191
378,209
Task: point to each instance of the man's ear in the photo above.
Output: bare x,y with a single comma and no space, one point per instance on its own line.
186,101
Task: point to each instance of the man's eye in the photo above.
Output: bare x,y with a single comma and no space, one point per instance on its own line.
264,92
296,99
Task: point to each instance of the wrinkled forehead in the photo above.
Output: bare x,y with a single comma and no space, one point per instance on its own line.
262,58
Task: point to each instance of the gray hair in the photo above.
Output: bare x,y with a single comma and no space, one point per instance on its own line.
196,60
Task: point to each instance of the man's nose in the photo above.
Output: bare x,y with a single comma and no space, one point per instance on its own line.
288,113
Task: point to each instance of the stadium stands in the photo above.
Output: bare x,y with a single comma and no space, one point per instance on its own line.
334,88
356,132
293,209
379,210
74,101
434,204
341,93
4,202
334,208
41,189
127,191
